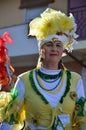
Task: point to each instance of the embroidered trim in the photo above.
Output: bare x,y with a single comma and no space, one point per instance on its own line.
42,97
80,103
67,86
31,79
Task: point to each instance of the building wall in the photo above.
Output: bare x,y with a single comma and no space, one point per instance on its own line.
69,65
10,14
74,66
60,5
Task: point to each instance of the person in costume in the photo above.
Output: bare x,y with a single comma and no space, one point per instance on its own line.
49,97
7,76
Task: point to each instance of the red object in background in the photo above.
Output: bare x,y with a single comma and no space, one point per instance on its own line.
7,38
5,67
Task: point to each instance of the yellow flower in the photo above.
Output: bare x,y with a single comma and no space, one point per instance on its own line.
66,23
34,26
47,28
73,95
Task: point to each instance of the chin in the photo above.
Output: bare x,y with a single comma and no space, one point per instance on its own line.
54,61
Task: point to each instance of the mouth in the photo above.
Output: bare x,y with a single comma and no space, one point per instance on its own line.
53,54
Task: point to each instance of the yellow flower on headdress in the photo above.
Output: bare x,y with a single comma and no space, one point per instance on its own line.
47,28
34,26
52,15
43,27
65,23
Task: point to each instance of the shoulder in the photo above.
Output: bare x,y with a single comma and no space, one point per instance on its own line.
75,74
25,74
75,77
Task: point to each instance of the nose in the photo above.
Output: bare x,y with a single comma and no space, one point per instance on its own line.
54,47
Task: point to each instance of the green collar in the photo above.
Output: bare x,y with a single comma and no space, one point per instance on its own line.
47,76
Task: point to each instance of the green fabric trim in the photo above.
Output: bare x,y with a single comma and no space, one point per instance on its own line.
81,102
35,88
13,120
42,97
14,93
67,86
47,76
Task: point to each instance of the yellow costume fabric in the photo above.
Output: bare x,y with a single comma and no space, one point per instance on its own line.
38,111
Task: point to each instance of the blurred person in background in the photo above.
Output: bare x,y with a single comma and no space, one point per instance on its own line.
7,76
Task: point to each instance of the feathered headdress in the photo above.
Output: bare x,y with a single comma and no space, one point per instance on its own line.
54,23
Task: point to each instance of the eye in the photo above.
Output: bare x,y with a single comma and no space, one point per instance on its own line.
49,43
58,45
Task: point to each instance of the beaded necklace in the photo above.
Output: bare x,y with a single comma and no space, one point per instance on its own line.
68,84
54,90
49,78
38,80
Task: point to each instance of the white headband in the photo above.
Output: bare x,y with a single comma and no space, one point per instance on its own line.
62,38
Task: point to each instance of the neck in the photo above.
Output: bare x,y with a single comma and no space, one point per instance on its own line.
51,66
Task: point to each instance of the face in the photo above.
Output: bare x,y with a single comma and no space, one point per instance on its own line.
52,51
